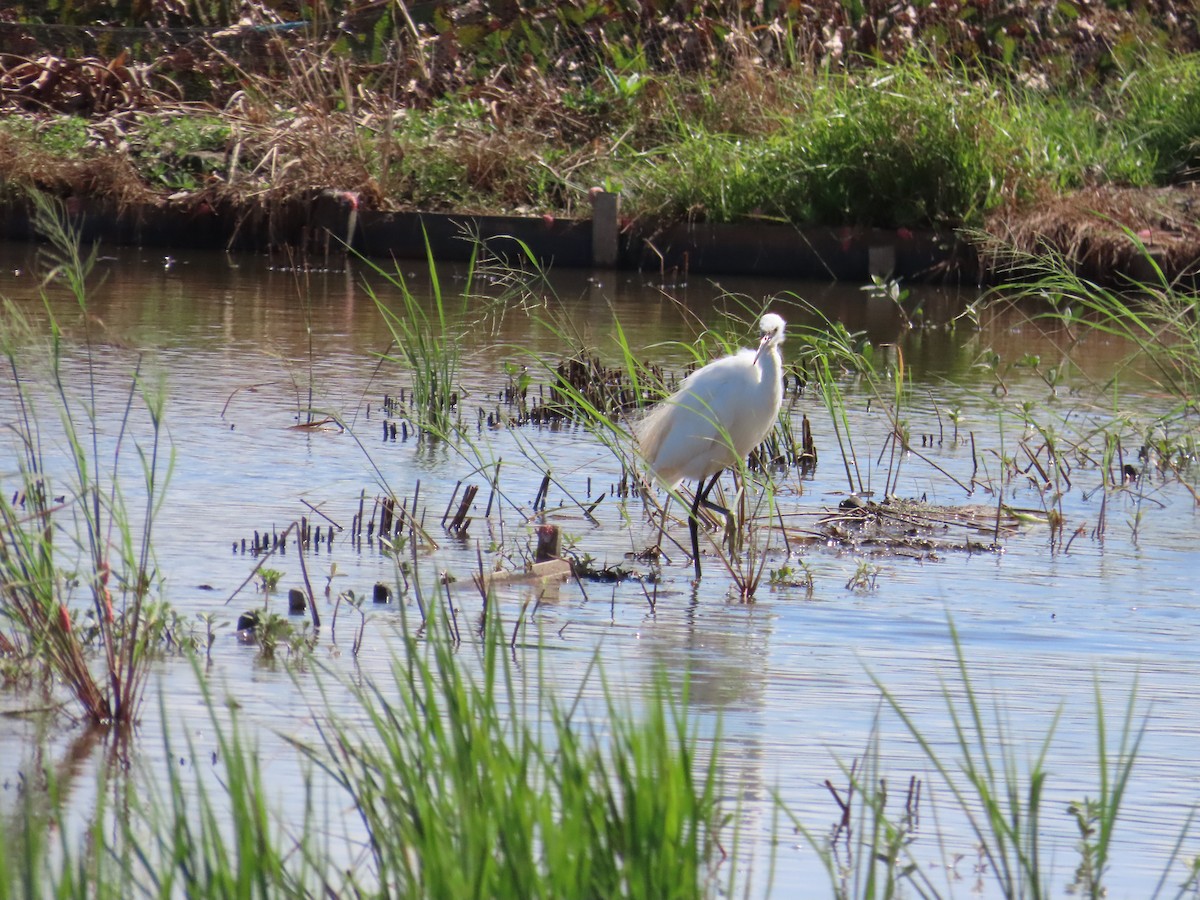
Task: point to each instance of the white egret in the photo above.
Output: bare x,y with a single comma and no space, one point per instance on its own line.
719,414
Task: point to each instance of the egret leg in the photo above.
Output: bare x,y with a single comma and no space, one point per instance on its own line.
717,507
702,491
732,533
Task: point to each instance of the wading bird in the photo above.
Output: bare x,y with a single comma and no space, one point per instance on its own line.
719,414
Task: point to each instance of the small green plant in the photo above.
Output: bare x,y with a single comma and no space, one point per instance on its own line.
956,417
274,631
332,574
800,575
211,625
891,290
269,579
1087,883
1191,884
865,575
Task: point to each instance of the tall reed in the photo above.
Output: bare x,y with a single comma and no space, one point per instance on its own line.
1153,314
467,788
1003,799
427,338
61,523
997,787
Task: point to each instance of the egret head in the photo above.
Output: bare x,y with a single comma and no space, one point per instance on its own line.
772,328
772,333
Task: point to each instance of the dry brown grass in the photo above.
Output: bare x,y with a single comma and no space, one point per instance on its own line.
108,177
1100,230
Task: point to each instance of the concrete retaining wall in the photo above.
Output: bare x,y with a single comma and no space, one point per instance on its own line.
322,225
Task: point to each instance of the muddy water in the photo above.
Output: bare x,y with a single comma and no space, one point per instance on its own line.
789,680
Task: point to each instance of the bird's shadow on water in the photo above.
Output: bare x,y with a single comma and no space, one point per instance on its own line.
717,650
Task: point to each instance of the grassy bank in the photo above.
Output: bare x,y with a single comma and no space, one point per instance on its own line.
926,119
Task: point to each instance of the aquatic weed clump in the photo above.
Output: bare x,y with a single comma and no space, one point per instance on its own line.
427,338
64,524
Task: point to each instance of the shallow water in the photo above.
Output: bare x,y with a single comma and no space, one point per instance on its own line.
788,679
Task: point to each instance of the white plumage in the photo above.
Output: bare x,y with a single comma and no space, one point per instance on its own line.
719,414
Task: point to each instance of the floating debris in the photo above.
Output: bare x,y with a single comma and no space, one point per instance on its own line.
898,526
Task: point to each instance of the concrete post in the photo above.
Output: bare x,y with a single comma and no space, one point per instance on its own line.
605,231
881,260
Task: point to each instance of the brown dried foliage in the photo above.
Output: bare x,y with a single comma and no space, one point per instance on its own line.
105,176
87,87
1105,232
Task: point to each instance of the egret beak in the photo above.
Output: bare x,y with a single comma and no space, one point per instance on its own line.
762,345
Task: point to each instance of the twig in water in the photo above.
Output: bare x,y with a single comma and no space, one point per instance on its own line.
244,387
321,514
495,487
539,501
460,522
337,605
450,503
517,625
453,614
937,411
652,600
481,583
362,628
312,603
417,585
974,459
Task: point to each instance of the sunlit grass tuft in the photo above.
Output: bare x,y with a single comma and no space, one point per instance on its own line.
427,336
473,786
1161,106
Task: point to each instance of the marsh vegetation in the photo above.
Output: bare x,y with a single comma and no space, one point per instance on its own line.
966,543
